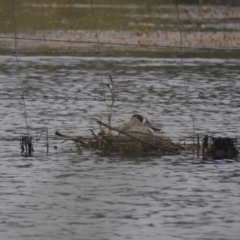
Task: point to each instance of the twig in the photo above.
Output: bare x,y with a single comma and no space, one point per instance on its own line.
112,91
190,136
76,140
47,140
100,125
78,146
40,135
65,137
93,134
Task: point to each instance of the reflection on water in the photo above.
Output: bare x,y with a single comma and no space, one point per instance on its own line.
71,196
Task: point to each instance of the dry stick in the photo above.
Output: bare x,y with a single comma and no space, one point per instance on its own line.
184,80
190,136
96,137
93,134
74,139
136,139
40,135
100,125
78,146
18,69
65,137
47,140
112,91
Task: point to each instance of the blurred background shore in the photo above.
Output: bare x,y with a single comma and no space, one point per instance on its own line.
68,25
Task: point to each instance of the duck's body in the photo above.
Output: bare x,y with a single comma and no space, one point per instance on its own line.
138,125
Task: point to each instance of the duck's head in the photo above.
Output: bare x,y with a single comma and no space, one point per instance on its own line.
139,119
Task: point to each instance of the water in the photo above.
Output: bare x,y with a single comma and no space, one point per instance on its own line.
69,196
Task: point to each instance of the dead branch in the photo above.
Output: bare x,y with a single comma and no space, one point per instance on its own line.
190,136
93,133
112,91
76,138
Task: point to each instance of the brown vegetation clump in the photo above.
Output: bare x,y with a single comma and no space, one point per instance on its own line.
125,144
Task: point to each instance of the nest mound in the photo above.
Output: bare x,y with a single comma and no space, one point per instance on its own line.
139,143
136,143
133,143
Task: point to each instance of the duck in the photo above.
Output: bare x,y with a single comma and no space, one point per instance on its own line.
139,125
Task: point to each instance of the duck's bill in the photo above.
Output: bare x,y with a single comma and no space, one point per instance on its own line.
148,124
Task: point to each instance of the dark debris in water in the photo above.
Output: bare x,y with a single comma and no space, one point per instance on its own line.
26,145
223,147
216,148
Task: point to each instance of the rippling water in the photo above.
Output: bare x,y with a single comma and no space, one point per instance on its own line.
69,196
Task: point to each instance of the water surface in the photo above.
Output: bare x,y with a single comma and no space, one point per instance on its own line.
69,196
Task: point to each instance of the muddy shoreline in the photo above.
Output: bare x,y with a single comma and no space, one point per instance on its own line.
110,40
123,27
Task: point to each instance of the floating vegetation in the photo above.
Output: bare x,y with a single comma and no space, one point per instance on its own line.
126,143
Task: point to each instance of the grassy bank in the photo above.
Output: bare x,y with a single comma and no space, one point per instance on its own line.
138,24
